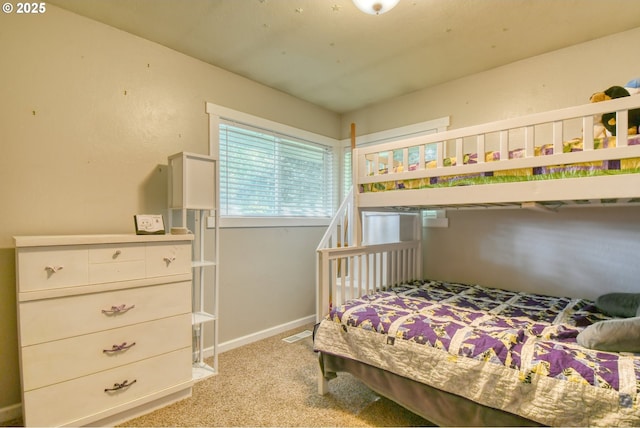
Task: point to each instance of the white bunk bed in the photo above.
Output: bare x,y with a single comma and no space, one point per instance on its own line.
366,295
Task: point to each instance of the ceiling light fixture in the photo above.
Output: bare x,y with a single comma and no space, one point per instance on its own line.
375,7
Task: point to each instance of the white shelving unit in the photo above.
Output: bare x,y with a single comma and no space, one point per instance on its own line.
193,206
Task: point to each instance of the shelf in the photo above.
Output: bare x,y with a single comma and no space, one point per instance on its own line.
193,199
202,317
201,371
192,181
202,263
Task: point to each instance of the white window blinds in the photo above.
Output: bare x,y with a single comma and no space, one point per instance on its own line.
267,174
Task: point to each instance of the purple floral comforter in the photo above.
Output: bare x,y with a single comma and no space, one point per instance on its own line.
512,351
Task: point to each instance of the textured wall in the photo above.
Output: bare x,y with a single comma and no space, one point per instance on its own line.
88,116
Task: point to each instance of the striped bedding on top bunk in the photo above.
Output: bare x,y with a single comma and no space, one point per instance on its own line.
584,169
512,351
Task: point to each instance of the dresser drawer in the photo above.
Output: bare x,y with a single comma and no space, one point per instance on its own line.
168,259
61,360
114,253
111,263
52,267
87,396
71,266
63,317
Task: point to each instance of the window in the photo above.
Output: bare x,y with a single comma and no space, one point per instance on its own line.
267,174
272,174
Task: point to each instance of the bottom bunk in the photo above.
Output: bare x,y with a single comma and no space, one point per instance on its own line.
461,354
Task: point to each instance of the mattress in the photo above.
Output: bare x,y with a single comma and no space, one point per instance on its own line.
515,352
549,172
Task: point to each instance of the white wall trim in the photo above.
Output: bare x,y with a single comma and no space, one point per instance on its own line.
420,128
259,335
10,412
259,122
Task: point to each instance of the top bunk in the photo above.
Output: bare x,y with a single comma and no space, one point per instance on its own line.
545,160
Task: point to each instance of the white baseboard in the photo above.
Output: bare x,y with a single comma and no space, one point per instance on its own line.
10,412
254,337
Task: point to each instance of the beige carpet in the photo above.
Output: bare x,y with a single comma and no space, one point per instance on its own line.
274,383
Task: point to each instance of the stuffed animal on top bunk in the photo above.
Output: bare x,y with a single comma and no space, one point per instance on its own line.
608,120
633,86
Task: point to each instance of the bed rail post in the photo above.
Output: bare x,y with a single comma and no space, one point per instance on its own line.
323,383
355,168
587,132
622,126
322,288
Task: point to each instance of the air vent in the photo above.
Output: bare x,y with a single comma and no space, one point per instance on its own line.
299,336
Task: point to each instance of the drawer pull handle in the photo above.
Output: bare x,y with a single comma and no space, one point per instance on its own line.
53,269
118,348
119,386
169,260
117,309
116,254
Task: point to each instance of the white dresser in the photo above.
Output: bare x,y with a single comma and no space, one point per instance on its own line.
104,326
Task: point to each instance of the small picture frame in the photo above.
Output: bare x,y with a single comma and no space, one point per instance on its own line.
149,224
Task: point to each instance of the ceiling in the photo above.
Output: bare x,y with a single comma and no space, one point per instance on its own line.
331,54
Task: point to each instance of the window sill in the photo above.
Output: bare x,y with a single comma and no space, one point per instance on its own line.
247,222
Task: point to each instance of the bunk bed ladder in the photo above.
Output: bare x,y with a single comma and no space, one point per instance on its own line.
346,269
339,234
340,230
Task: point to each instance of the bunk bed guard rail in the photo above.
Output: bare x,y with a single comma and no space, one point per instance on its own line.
535,141
351,272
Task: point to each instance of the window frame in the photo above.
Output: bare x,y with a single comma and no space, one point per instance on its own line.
216,113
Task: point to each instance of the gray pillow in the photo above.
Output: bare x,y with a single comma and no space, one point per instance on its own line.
624,305
616,335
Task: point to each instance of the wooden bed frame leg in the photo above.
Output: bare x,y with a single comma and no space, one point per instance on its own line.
323,383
